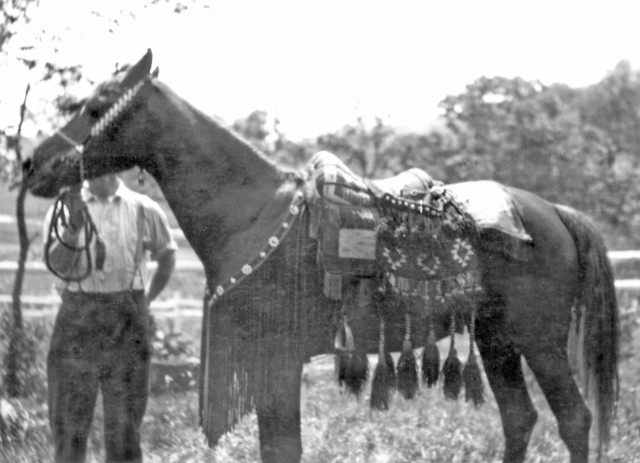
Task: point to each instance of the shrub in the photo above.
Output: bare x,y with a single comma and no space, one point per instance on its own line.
30,357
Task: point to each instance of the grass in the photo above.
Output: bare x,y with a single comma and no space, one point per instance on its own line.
338,428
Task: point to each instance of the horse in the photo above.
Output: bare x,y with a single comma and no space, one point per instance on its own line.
264,312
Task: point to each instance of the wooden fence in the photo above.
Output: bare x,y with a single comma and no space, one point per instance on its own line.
177,305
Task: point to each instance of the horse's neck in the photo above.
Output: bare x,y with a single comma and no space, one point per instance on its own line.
223,193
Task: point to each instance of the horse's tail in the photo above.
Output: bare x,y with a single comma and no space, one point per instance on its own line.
597,324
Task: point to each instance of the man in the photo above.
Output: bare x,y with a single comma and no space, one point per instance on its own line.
101,334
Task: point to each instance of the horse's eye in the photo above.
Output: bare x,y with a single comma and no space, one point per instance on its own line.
96,106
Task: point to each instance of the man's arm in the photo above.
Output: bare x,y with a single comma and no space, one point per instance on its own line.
166,263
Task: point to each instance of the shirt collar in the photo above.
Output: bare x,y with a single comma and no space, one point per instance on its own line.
87,195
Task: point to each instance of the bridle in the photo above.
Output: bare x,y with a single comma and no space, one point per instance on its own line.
112,114
58,216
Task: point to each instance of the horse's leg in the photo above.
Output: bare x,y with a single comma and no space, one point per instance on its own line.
503,368
278,412
549,362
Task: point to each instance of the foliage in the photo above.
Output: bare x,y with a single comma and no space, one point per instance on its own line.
363,147
13,14
554,140
170,344
263,131
29,355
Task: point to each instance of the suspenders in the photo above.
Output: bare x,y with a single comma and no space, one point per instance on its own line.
139,246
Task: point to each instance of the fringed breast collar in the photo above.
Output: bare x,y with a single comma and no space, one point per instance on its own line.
294,211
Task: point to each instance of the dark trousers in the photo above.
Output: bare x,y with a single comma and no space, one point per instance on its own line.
99,341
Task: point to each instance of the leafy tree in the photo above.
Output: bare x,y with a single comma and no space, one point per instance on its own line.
552,140
13,13
263,132
363,147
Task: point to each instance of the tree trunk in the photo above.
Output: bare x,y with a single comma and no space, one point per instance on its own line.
13,385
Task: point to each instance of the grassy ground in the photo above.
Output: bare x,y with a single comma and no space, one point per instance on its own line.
339,428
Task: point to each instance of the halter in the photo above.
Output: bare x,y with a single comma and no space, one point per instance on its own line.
103,123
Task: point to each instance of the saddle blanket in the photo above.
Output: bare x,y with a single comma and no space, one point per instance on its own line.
497,216
491,206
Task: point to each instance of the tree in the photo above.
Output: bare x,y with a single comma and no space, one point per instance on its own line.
14,13
552,140
263,131
363,147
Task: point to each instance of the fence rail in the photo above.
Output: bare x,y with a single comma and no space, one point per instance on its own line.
178,306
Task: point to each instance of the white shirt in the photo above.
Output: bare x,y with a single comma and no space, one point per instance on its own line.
116,220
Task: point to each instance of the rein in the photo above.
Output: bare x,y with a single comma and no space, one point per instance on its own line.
90,231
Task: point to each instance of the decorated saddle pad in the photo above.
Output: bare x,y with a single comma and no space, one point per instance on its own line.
415,235
426,246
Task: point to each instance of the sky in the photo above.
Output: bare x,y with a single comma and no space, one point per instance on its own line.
318,66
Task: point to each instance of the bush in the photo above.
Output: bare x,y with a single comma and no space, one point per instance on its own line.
30,357
174,366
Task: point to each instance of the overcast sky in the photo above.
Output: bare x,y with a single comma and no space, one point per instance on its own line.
319,65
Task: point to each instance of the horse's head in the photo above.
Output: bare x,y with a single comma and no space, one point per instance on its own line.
91,143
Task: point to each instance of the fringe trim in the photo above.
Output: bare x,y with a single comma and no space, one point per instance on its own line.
407,365
384,376
332,286
351,366
452,365
471,375
430,357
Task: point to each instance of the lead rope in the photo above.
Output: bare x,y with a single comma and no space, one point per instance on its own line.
90,231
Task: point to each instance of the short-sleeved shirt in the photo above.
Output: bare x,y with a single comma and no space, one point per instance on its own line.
127,249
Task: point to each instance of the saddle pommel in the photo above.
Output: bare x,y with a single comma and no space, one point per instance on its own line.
335,182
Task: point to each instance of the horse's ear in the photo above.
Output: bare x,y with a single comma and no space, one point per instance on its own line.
139,71
155,73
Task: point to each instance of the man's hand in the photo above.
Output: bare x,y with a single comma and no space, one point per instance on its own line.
75,207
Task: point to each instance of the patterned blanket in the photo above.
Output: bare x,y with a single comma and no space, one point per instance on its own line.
412,234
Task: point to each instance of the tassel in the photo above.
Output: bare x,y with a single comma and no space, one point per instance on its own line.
352,370
430,358
332,286
407,365
352,367
452,366
384,376
101,253
474,389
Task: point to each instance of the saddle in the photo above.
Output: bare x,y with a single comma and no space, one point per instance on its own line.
406,228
